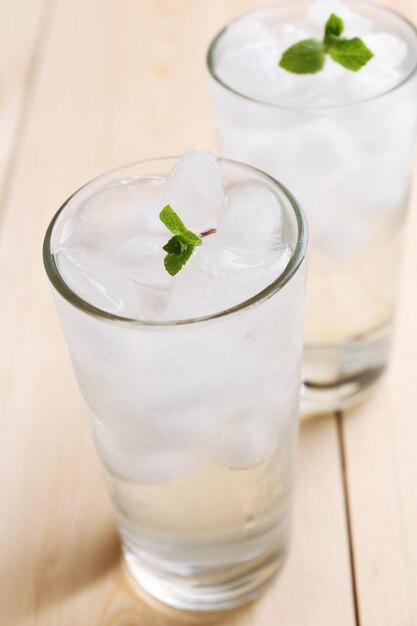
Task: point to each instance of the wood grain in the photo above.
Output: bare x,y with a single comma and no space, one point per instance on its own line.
380,441
20,27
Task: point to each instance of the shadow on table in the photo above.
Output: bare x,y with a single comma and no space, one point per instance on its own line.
61,573
60,567
45,571
129,605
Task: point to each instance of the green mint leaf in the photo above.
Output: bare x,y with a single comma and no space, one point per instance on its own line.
181,246
175,245
351,53
175,262
172,221
308,56
334,26
177,226
304,57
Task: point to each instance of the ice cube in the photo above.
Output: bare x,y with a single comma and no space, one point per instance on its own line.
248,53
320,10
195,189
116,212
398,118
252,433
377,184
253,211
343,236
195,422
141,259
249,63
379,75
144,458
355,24
248,444
388,50
373,79
93,277
302,92
244,29
222,274
99,351
201,379
252,69
176,389
323,147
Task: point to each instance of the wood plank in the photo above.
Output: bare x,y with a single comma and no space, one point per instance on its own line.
381,444
114,86
20,24
380,440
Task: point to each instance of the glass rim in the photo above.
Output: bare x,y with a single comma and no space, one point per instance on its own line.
297,256
327,107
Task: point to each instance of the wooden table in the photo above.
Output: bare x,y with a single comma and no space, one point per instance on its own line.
86,85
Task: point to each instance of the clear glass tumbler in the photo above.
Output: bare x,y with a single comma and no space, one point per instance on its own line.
196,420
350,165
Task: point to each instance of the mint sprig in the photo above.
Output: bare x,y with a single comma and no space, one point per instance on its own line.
308,56
304,57
351,53
181,246
334,27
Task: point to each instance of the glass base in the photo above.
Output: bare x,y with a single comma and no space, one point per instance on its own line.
339,376
206,589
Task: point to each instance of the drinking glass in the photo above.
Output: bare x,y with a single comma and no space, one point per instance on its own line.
195,420
350,165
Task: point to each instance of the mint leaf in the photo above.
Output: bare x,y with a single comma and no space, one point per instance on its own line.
172,221
175,245
308,56
176,225
181,246
304,57
334,26
175,262
351,53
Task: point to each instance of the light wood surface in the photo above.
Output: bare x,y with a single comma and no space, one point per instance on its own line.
19,36
87,85
381,444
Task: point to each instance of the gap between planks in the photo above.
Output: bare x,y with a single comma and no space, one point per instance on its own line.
345,489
